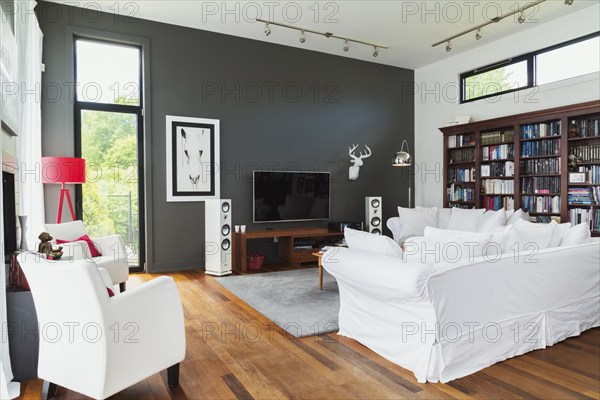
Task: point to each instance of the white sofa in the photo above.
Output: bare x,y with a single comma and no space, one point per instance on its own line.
447,317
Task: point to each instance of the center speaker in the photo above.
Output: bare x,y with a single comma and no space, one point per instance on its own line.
373,215
217,234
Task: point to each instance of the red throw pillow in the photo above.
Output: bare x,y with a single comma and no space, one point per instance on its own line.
93,250
110,292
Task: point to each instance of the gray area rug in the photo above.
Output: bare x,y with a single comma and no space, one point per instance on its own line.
291,299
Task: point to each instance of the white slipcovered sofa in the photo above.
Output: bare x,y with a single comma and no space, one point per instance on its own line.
446,317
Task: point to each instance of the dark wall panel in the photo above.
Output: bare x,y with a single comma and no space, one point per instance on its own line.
280,107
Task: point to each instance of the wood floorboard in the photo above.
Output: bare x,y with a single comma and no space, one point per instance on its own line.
234,352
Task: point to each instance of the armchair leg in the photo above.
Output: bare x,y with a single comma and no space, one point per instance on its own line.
173,375
48,390
122,286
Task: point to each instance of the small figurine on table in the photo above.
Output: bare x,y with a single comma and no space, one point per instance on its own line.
46,247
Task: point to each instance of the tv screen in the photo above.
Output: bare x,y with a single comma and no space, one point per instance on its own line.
290,196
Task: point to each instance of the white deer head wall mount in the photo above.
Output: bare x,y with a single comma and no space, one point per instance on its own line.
357,161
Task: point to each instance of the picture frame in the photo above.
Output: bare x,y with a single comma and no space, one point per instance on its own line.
576,177
9,69
193,159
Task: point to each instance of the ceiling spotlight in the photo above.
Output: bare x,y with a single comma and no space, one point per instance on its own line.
267,29
347,46
302,37
521,17
478,34
375,51
568,2
448,46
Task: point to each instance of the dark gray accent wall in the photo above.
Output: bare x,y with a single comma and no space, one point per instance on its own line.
280,108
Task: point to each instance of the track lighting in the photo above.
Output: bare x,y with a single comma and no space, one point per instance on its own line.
520,19
303,31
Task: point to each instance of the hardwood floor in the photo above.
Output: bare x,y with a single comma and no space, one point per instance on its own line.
235,352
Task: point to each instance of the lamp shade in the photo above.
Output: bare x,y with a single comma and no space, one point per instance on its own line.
402,157
63,170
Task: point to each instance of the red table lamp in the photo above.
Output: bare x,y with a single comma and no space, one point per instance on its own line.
63,170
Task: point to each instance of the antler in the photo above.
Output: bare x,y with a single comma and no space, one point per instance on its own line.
351,150
368,154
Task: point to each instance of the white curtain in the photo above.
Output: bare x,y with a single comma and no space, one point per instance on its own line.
31,198
29,148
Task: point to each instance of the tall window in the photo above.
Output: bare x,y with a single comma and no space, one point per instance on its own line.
109,135
566,60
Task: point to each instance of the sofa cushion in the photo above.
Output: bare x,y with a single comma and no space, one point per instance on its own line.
557,233
466,219
492,220
525,236
378,244
444,215
517,215
414,220
444,246
578,234
93,250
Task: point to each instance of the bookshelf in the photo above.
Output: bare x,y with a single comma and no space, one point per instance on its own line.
546,162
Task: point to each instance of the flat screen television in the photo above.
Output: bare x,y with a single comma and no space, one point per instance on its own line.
283,196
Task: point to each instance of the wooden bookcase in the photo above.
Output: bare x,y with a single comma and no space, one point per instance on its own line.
525,161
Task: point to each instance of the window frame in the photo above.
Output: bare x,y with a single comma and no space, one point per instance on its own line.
531,59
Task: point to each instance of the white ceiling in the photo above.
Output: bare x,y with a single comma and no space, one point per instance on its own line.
409,28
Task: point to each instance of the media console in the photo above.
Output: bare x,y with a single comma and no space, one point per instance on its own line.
288,253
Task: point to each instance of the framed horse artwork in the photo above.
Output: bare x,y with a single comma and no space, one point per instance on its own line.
192,159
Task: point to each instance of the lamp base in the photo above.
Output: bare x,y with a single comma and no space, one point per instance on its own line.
64,192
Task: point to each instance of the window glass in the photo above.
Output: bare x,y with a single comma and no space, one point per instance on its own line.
567,62
496,81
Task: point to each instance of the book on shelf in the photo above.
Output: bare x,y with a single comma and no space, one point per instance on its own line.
462,155
461,140
533,184
455,192
590,216
544,166
540,148
497,152
497,137
583,195
501,168
534,131
585,153
498,202
461,175
498,186
584,128
541,204
592,173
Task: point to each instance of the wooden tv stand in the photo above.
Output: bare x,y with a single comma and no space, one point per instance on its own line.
286,239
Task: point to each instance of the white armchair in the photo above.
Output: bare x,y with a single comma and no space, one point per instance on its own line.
99,345
114,255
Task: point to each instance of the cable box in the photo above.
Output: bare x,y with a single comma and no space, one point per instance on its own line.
339,226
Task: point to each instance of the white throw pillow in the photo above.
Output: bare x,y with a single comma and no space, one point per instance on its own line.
413,221
557,233
443,216
526,236
444,247
578,234
517,215
492,220
378,244
468,220
509,213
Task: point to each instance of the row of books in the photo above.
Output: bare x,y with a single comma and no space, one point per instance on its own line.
589,153
498,202
460,141
585,128
589,215
464,155
592,173
541,204
551,184
461,174
550,147
498,186
506,168
583,195
459,193
544,166
497,137
498,152
532,131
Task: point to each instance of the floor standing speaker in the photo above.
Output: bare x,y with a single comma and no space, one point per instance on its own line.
218,245
373,215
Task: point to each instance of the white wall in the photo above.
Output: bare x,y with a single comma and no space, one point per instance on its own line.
436,98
